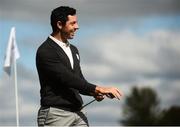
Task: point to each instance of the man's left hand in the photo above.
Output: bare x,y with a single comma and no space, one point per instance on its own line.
99,97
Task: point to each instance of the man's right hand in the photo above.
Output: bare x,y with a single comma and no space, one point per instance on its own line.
110,92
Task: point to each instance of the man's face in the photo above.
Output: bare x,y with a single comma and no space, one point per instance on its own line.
69,29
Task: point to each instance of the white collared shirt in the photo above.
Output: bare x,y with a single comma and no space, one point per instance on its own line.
66,49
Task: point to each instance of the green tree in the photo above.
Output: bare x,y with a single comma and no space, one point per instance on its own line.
141,107
170,117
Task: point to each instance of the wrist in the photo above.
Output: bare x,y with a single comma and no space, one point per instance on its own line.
98,89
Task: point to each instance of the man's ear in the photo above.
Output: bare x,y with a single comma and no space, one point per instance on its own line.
59,24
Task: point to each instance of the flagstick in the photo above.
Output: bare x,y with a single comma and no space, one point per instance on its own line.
16,94
12,54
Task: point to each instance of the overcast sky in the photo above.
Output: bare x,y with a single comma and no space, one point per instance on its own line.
122,43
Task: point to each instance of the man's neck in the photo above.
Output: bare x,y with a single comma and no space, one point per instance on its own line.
59,37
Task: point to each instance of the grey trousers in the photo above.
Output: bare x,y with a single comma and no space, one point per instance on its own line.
58,117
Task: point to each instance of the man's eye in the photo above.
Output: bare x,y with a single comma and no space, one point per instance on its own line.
72,23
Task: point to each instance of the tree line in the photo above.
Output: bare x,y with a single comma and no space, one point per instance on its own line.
142,108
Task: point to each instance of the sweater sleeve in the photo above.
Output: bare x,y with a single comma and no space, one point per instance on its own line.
85,92
82,76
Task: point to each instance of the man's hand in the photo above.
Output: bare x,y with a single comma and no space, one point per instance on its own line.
110,92
99,97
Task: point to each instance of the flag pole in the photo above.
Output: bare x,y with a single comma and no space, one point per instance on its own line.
12,54
16,94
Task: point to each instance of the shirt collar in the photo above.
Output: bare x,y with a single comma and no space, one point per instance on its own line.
60,43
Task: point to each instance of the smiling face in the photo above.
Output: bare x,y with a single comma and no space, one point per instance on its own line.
71,26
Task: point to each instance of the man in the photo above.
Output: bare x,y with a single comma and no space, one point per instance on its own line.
61,79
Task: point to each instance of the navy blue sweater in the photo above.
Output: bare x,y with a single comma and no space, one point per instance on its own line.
61,85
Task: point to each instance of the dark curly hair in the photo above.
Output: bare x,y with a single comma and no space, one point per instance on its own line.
61,14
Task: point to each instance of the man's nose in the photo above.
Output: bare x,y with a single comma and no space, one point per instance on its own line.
76,26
